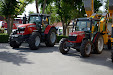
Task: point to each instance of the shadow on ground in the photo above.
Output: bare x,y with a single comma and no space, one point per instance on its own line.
42,49
103,59
4,45
15,58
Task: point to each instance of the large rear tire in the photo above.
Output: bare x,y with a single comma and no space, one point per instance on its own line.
51,38
62,46
99,44
85,48
109,44
34,41
112,56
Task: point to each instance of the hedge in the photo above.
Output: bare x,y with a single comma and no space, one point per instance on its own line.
4,38
60,37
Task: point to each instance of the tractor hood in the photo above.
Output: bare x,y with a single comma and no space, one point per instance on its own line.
76,33
25,25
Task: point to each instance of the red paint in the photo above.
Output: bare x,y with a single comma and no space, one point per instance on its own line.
4,25
80,36
24,25
95,38
28,28
47,29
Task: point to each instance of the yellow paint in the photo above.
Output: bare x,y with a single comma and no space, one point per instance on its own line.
105,36
89,13
111,39
92,29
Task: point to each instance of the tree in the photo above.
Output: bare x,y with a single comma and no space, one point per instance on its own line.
97,4
36,1
44,4
68,10
10,9
31,12
107,4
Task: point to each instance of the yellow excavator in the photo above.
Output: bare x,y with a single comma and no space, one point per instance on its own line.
89,34
104,18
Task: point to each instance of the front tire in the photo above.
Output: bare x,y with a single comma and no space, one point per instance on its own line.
34,41
51,38
99,44
62,46
14,44
85,48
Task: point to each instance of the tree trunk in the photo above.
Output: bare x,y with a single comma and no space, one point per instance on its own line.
8,26
44,5
64,30
11,24
36,1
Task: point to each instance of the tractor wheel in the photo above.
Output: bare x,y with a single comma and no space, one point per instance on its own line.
51,38
99,44
78,50
62,46
34,41
14,44
85,48
109,44
112,56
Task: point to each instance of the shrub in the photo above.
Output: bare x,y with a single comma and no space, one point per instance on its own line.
60,37
110,20
4,38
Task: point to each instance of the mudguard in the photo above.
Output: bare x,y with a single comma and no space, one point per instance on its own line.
48,28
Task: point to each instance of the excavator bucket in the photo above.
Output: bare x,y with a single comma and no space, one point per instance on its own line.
89,6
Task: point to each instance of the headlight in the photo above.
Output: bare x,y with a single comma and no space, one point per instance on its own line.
13,30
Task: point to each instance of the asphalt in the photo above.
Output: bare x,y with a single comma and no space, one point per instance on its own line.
49,61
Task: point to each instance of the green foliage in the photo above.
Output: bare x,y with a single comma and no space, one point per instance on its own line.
4,38
31,12
100,11
10,9
107,4
97,4
110,20
60,37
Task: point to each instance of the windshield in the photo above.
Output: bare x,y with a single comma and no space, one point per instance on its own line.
83,26
36,19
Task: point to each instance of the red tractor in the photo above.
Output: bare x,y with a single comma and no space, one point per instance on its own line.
85,38
36,31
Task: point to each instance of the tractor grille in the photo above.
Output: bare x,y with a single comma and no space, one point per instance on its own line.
72,38
20,30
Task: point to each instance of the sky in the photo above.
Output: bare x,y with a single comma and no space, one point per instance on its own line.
31,7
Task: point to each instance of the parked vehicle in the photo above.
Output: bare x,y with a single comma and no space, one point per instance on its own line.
36,31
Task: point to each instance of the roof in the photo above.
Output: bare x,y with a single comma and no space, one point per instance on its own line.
37,14
59,24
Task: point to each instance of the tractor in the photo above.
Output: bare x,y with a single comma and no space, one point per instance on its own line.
85,38
36,31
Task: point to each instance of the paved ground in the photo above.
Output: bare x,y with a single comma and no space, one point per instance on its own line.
49,61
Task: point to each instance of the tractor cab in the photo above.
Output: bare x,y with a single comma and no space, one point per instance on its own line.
41,21
84,28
